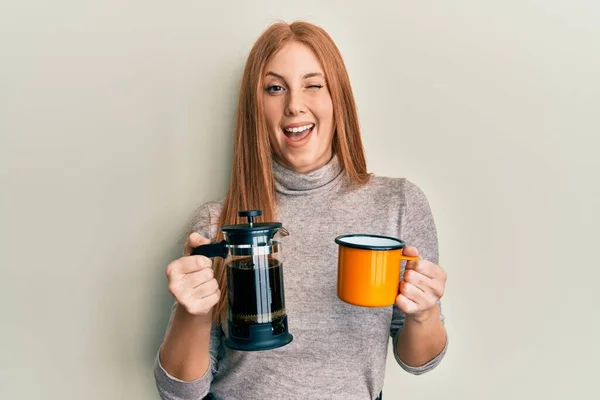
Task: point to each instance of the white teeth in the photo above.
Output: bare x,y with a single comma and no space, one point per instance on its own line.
299,128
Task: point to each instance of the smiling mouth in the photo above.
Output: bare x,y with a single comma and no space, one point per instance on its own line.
298,133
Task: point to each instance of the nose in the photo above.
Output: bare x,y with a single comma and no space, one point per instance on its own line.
295,104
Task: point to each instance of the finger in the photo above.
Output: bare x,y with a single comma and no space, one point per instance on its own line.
194,240
195,279
417,279
406,305
425,283
206,289
186,265
189,295
410,251
423,300
436,275
413,293
425,267
421,281
203,305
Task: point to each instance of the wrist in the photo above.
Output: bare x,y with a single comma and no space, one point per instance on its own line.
423,317
183,316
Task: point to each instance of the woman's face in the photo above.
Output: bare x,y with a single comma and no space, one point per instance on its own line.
298,108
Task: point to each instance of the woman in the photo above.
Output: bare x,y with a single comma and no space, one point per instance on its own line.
298,156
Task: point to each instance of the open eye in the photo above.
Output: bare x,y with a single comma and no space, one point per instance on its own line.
274,88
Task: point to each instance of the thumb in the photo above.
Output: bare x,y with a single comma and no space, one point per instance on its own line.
410,251
194,240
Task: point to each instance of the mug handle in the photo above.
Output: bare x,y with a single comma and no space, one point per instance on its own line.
409,258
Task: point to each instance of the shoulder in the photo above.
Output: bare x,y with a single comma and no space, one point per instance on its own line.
205,219
402,189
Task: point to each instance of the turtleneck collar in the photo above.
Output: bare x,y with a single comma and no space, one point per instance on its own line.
290,182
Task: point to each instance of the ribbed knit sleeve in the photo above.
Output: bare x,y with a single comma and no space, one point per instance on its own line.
204,222
417,229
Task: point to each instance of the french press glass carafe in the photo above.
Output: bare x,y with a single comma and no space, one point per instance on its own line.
257,315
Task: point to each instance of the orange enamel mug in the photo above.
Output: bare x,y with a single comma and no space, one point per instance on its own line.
369,269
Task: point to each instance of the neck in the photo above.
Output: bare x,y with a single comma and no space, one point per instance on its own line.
292,181
305,169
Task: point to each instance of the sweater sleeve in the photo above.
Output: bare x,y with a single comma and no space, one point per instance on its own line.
170,387
417,228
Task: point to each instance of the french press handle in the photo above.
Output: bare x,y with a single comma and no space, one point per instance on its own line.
218,249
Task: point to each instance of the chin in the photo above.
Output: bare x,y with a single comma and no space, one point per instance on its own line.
304,163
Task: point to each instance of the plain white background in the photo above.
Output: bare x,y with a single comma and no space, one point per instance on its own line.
116,120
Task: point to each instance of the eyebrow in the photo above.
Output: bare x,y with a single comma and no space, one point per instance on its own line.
309,75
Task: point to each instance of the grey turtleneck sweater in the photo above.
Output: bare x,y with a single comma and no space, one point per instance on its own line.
339,350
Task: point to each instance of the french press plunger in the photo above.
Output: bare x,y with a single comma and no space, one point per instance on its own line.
257,316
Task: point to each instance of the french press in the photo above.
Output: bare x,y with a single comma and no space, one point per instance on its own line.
257,316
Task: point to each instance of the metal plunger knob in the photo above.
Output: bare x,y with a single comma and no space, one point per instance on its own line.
250,214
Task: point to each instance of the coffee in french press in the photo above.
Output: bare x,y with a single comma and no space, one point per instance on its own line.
257,316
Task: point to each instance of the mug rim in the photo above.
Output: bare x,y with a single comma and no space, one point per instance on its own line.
400,243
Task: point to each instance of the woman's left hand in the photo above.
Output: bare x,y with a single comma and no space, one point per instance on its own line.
421,288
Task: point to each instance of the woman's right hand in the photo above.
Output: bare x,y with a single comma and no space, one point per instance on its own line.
191,279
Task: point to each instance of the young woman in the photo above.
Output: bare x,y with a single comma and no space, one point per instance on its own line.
299,158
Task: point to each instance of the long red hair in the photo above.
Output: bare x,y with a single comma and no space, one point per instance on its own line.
251,184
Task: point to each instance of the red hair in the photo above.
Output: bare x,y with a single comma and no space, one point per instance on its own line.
251,184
